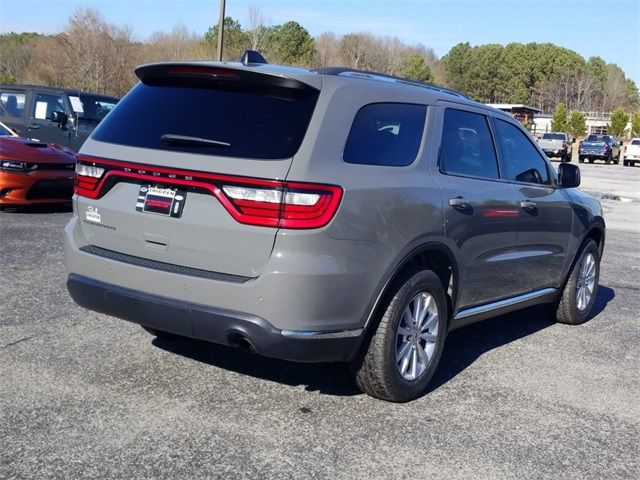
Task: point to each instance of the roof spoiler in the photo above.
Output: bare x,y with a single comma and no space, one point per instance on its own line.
251,57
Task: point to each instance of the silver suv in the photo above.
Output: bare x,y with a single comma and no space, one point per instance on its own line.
325,215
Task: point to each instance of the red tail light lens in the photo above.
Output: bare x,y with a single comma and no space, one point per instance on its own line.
251,201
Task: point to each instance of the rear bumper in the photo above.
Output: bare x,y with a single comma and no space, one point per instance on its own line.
597,155
211,324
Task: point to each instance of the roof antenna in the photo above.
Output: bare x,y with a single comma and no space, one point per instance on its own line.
251,57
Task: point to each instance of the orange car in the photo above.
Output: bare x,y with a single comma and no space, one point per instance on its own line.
33,172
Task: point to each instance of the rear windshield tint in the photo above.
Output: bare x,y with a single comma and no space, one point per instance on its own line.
553,136
243,122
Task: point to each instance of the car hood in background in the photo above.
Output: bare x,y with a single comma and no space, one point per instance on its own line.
26,150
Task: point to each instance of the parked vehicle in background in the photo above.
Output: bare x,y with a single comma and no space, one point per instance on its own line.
33,172
555,144
632,153
323,215
599,147
53,115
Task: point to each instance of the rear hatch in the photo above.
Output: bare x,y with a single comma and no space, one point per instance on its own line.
188,170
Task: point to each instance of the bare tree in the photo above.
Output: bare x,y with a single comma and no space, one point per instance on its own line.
326,50
258,28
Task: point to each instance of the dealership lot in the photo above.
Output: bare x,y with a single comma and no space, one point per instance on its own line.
84,395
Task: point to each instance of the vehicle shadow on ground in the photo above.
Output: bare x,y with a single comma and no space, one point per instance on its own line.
41,209
463,347
467,344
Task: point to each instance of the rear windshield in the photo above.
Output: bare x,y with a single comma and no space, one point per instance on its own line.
593,138
553,136
635,142
244,122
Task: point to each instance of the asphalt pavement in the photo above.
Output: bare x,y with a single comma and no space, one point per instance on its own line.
83,395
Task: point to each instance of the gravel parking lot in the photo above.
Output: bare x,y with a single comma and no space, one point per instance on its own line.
87,396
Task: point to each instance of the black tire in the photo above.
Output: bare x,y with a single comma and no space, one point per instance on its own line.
625,163
162,334
580,159
375,370
567,311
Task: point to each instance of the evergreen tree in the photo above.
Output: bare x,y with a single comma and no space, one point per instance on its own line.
415,67
577,125
619,120
635,124
559,120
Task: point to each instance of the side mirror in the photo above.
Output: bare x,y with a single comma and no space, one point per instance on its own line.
568,175
60,117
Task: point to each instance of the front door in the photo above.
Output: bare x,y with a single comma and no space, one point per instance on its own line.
41,125
545,213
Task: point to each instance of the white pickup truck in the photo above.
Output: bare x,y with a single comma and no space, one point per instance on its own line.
555,144
632,153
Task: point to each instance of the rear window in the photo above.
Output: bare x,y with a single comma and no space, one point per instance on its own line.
385,134
635,142
239,122
553,136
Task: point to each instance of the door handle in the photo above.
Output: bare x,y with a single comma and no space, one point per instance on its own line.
459,203
528,205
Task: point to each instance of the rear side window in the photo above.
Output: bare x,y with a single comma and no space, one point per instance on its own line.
467,147
385,134
241,121
13,103
522,161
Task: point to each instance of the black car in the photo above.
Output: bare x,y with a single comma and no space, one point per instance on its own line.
53,115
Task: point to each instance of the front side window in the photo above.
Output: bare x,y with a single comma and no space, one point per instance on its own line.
13,103
385,134
45,105
467,147
91,108
522,161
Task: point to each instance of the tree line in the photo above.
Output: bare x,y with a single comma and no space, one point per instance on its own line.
93,54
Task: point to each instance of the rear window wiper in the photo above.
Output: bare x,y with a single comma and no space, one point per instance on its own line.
173,139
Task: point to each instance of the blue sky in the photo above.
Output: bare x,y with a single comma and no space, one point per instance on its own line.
608,28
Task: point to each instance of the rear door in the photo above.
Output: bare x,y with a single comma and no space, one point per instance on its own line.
481,217
545,212
184,152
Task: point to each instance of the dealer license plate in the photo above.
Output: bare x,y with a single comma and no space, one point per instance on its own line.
161,200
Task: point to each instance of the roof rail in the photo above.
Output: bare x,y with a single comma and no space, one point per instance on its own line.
352,72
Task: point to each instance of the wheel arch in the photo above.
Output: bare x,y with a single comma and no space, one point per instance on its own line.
433,256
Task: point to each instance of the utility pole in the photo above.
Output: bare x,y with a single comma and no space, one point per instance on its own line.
221,30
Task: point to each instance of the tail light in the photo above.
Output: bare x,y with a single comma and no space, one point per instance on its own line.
251,201
564,145
580,144
607,146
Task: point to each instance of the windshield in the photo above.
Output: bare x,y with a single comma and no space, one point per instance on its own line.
592,138
553,136
91,108
635,142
